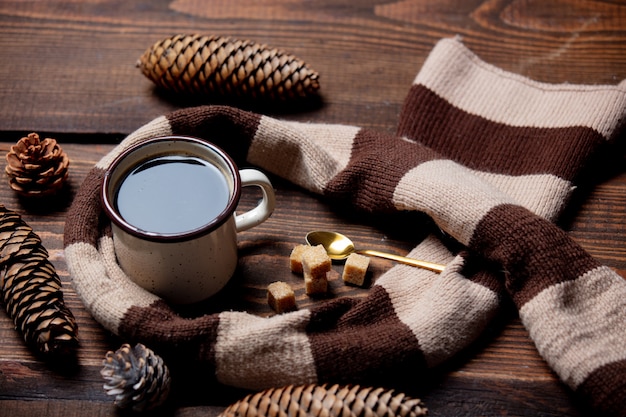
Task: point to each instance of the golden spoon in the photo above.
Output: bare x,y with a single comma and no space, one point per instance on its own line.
339,247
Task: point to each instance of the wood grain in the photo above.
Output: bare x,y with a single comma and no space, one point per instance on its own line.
67,69
70,67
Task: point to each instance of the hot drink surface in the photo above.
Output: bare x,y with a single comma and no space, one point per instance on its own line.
172,194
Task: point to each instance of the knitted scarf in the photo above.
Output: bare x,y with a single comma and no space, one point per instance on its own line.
490,156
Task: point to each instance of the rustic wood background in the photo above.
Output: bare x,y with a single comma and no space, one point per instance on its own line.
67,70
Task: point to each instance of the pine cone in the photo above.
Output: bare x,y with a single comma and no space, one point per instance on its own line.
225,66
137,377
36,168
31,289
315,400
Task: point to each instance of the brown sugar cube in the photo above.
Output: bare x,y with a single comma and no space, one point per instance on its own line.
280,297
315,262
295,259
313,286
355,269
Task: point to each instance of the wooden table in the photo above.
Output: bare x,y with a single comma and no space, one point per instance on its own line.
67,70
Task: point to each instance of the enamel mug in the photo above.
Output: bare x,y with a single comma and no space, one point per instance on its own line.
172,201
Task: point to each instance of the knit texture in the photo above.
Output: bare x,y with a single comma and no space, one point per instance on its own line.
490,156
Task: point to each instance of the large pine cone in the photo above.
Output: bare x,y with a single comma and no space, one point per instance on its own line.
227,67
137,377
36,167
316,400
31,289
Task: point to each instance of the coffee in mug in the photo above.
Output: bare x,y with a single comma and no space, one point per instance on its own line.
172,194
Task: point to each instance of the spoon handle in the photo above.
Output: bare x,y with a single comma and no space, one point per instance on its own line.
402,259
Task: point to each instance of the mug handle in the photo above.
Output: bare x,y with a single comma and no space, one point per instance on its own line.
264,209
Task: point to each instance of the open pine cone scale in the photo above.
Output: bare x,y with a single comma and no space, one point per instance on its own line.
36,167
30,289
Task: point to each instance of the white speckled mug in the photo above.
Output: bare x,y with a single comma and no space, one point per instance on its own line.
172,201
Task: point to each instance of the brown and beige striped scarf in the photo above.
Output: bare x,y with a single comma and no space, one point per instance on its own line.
492,157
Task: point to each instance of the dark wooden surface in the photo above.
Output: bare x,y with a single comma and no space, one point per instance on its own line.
67,69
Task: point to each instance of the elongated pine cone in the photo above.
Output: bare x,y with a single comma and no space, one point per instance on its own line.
215,65
31,289
316,400
36,167
137,377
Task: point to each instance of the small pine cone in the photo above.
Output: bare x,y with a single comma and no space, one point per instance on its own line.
31,289
216,65
36,167
137,377
316,400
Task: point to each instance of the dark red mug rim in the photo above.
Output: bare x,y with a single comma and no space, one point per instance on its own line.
219,220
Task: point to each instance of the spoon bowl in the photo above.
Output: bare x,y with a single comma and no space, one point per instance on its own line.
339,247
